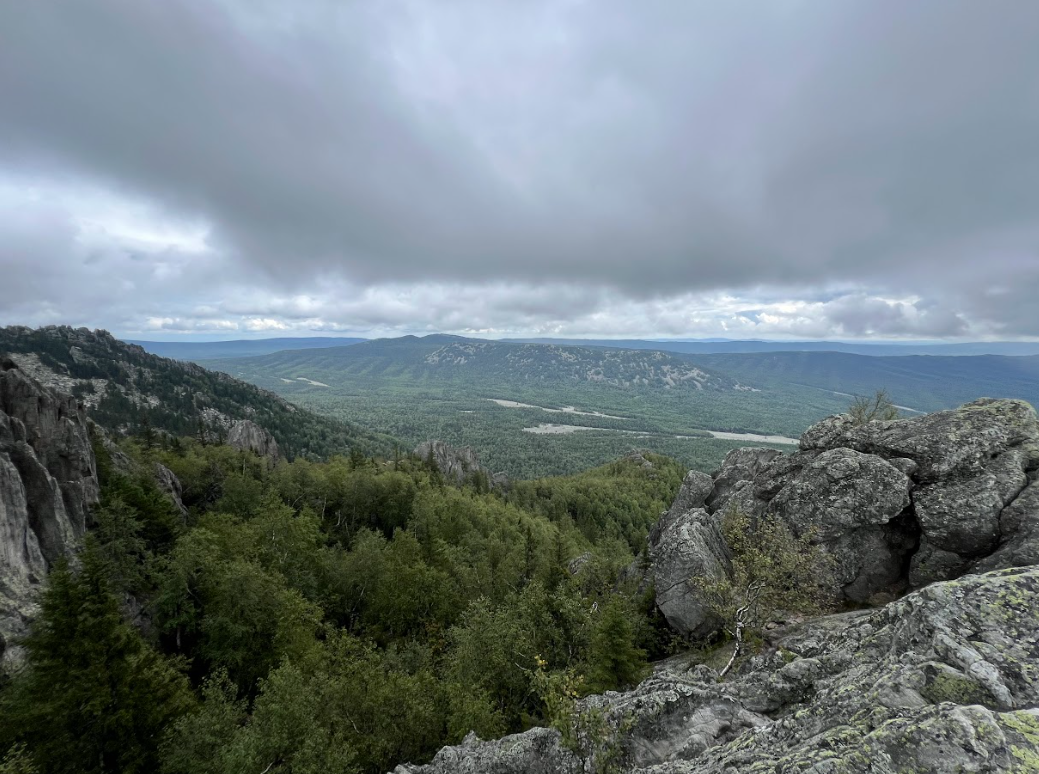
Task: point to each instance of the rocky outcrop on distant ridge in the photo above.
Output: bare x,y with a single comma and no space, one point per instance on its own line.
48,483
249,436
458,464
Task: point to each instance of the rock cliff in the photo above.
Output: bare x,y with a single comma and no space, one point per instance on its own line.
48,483
246,434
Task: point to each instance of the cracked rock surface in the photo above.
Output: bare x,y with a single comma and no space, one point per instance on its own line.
945,679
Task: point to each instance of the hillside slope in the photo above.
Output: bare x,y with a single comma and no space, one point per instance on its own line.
122,387
922,382
446,359
536,409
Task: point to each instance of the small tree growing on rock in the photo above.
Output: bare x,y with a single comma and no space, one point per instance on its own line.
879,407
772,570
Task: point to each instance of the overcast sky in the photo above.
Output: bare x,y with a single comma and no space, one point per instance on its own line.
665,168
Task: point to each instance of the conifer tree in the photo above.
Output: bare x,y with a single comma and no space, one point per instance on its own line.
614,660
95,697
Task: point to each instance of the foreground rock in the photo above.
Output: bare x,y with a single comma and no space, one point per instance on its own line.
683,546
967,467
898,504
944,680
48,483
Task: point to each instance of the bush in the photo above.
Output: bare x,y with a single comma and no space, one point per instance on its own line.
879,407
772,570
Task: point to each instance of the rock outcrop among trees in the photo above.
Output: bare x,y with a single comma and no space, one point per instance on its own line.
942,679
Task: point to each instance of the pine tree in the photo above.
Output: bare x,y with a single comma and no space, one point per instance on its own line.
95,697
614,660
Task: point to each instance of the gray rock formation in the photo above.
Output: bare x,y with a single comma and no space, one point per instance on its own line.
740,466
684,546
901,503
48,483
944,680
459,464
695,489
850,502
249,436
170,485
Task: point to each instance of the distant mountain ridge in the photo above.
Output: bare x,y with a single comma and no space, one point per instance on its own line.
122,386
207,350
884,349
922,382
442,357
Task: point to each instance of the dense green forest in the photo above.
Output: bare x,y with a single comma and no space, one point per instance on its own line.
434,387
328,617
125,388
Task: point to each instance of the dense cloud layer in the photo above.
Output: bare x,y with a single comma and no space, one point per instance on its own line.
558,166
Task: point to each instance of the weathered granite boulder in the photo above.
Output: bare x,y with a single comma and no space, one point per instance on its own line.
249,436
902,502
959,440
537,751
695,489
1019,532
944,680
851,502
682,547
739,465
48,483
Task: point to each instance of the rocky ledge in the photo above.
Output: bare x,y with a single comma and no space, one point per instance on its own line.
459,464
945,679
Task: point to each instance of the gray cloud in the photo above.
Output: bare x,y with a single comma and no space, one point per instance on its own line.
551,166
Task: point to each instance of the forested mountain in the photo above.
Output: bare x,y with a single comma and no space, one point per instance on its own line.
125,388
922,382
873,349
539,409
534,409
452,359
206,350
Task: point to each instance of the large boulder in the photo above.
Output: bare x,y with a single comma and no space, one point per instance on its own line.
945,442
48,484
851,503
249,436
738,467
1019,532
682,548
696,488
943,680
902,502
